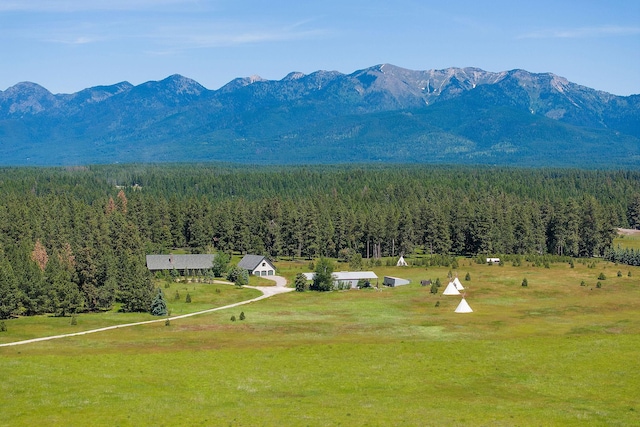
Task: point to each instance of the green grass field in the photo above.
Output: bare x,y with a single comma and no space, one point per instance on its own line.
552,353
629,242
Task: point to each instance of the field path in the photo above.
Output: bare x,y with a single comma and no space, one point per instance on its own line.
267,291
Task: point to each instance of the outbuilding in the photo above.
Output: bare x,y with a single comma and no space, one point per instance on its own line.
257,265
394,281
350,277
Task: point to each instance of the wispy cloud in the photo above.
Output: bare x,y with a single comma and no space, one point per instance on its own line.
581,33
85,5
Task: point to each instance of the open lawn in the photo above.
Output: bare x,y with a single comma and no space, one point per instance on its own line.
552,353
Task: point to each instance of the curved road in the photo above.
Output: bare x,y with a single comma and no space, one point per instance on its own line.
267,291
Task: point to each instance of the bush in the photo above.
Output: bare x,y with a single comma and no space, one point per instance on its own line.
619,273
601,276
437,303
434,288
582,283
467,277
167,322
629,273
176,297
233,318
242,315
438,284
571,264
74,321
300,282
598,285
525,282
188,298
3,326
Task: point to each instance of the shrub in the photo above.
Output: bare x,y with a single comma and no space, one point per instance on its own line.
437,303
601,276
434,289
525,282
167,322
217,290
629,273
467,277
571,264
438,284
167,285
598,285
74,321
242,315
582,283
233,318
300,282
619,273
188,298
176,296
3,326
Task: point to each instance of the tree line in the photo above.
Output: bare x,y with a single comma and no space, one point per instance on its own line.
74,239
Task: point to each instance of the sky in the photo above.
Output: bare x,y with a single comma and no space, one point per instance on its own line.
69,45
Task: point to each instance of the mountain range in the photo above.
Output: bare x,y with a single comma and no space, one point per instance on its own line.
379,114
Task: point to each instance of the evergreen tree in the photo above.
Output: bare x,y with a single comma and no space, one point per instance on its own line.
9,296
220,264
300,282
323,278
159,305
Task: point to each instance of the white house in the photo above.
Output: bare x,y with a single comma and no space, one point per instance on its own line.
257,265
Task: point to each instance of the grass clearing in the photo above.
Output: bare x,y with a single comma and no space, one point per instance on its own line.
553,353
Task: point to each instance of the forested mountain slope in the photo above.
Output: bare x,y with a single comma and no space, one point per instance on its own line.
379,114
75,239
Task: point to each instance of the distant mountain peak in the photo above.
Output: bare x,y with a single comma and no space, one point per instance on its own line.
383,112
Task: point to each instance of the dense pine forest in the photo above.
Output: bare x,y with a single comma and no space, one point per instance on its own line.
74,239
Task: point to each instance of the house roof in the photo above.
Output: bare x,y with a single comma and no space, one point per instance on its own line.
250,262
179,262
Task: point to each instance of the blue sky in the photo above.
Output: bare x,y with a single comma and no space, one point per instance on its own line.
68,45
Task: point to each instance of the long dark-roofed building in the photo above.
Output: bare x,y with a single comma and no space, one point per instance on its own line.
179,262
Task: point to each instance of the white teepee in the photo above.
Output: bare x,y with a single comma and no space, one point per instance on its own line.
458,284
451,290
463,307
401,262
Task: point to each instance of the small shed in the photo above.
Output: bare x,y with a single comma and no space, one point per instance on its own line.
257,265
394,281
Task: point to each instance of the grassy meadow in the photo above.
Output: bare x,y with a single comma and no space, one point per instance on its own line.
551,353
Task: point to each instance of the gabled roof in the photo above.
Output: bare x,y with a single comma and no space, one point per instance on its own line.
180,262
250,262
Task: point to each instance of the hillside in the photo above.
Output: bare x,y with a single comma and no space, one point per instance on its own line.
380,114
